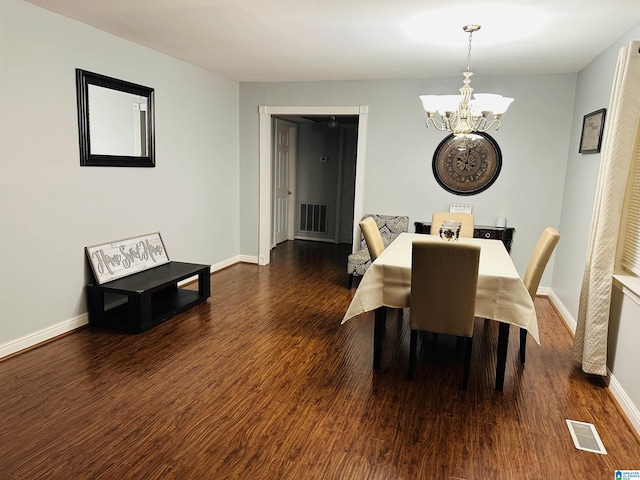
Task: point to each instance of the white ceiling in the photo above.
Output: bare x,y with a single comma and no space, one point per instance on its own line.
281,40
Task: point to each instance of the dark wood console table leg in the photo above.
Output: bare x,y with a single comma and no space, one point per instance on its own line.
140,305
95,304
204,283
503,345
378,334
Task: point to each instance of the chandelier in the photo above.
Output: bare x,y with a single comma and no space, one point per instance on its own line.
461,114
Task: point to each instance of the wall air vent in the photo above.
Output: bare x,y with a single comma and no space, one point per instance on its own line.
313,218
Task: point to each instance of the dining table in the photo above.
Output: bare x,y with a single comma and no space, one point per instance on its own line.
501,295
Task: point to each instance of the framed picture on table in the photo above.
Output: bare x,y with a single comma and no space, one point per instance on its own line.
592,128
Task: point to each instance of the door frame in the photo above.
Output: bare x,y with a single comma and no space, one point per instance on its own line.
265,149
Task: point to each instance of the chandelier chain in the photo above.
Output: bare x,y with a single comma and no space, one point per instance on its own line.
469,52
470,112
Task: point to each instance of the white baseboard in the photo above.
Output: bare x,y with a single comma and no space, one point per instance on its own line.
630,410
248,259
220,265
28,341
564,313
627,406
66,326
543,291
315,239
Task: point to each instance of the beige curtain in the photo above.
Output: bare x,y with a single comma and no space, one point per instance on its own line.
590,341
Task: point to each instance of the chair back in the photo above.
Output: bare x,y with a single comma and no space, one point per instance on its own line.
444,279
372,237
465,218
389,226
538,261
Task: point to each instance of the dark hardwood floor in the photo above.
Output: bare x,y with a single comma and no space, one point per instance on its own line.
262,382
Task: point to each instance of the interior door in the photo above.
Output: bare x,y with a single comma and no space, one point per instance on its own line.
283,180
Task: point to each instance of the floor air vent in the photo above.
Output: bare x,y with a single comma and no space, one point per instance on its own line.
313,218
585,437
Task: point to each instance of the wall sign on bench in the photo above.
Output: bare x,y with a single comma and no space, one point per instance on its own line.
136,286
118,259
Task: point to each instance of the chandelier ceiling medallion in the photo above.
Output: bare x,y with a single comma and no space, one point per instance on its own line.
462,114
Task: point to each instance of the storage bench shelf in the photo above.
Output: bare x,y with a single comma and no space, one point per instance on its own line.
152,296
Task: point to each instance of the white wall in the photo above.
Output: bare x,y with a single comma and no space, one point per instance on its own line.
623,357
535,140
592,93
51,208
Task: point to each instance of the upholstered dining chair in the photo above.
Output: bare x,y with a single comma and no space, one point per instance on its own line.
444,279
535,268
466,219
372,237
389,226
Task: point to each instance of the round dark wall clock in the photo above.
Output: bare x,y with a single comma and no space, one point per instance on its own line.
466,165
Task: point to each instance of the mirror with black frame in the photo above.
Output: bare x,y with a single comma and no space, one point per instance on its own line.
115,122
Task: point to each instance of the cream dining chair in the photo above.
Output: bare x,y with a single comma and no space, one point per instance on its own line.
537,263
372,237
444,279
389,226
465,218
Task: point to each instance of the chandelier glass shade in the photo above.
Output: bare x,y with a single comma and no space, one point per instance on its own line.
467,112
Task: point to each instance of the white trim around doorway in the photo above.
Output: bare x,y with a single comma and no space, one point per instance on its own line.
266,111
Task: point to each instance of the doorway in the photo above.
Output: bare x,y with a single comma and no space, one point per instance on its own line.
313,180
266,174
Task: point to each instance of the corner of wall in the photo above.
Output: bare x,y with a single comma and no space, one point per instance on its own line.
631,411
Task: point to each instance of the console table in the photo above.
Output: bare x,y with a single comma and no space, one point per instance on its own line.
479,231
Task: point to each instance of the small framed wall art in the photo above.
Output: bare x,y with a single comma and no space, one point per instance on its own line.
592,128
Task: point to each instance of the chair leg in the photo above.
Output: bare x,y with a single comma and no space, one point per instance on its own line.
467,362
523,345
350,281
413,343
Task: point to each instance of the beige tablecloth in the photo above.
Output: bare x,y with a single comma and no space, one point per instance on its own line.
501,294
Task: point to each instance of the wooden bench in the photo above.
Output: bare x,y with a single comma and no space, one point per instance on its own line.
136,286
